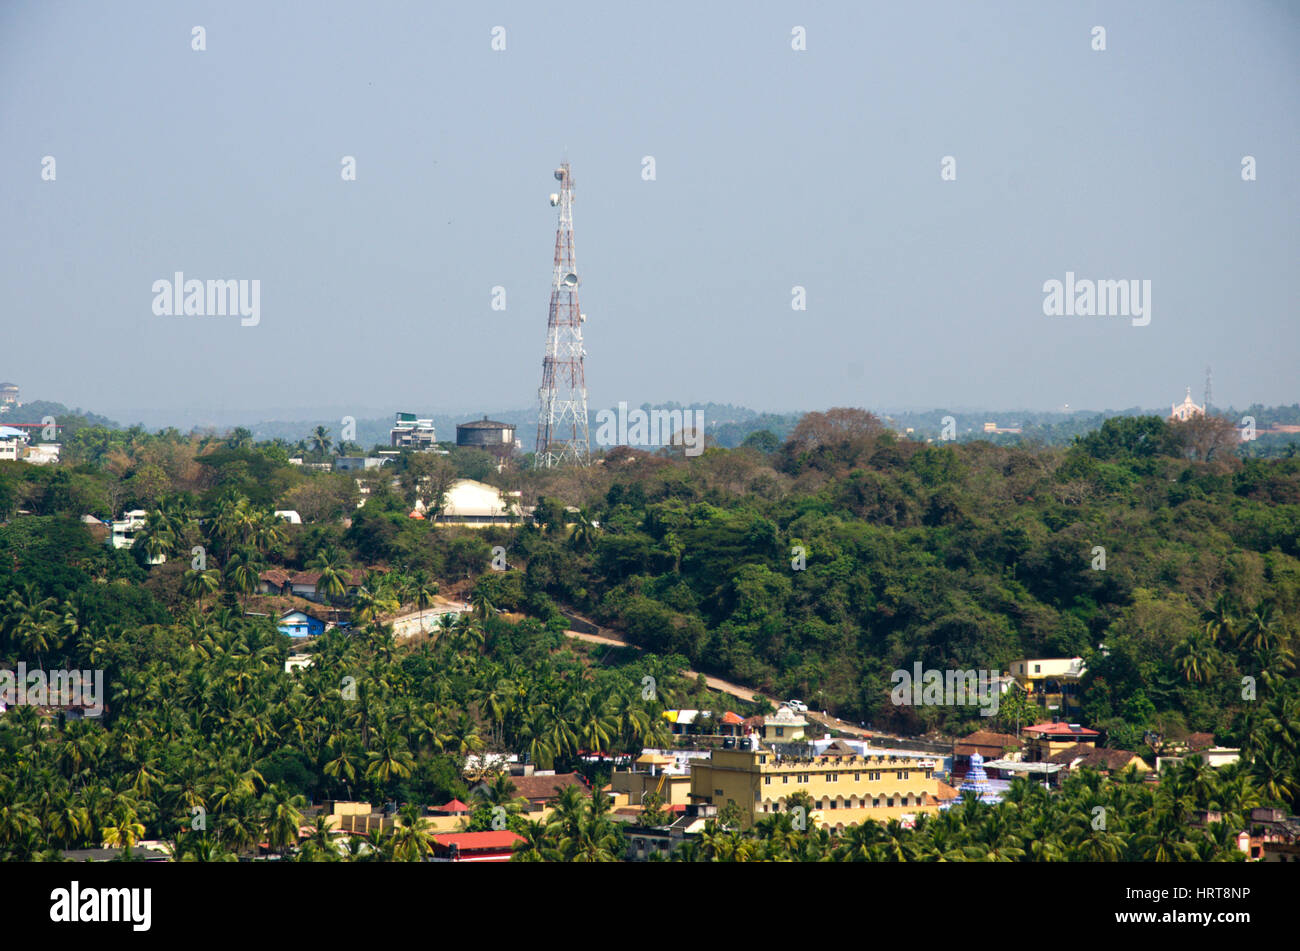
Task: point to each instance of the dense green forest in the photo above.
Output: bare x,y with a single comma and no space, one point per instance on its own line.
808,566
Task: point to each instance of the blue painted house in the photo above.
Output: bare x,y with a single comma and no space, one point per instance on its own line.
301,624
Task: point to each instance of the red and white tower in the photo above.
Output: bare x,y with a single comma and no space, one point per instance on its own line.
562,418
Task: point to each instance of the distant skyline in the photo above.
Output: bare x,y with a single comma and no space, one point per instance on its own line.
775,169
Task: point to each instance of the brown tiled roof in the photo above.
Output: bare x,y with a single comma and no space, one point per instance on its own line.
986,744
946,792
534,788
1092,758
353,576
1200,741
275,606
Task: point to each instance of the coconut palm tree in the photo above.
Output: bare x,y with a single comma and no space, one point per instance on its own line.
197,583
411,842
282,816
334,572
1261,629
1196,659
244,571
584,533
126,829
1221,620
320,441
537,845
390,759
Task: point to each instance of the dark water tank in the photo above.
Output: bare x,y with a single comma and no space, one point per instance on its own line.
487,434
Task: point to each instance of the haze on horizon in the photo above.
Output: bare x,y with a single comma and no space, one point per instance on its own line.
774,168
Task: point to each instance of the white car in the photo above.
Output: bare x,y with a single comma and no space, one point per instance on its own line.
797,705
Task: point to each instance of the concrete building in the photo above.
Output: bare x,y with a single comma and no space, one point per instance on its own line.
122,532
474,846
124,529
12,443
846,786
476,504
410,432
785,726
1051,682
360,463
297,662
9,397
42,454
688,823
663,772
1045,740
299,623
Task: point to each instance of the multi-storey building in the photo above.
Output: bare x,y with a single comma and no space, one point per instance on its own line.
1052,682
409,432
846,787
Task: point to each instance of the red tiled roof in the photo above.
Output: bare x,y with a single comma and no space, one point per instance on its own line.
1060,729
1200,741
466,841
732,719
454,806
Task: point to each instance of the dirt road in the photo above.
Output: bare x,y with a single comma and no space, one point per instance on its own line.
725,686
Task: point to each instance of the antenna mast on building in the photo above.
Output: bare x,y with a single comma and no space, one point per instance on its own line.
562,417
1207,389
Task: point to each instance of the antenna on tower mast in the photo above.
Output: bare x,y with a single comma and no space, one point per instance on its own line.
1208,391
562,414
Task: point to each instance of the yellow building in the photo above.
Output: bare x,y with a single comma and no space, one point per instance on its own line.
653,773
846,788
1051,682
785,726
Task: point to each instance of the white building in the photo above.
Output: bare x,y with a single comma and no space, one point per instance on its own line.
125,528
122,532
43,454
1186,410
297,662
476,505
409,432
12,443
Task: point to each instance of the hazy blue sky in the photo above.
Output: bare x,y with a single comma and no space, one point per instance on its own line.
775,168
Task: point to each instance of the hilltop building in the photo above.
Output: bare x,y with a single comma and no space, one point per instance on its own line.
1182,412
410,432
1051,682
477,505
